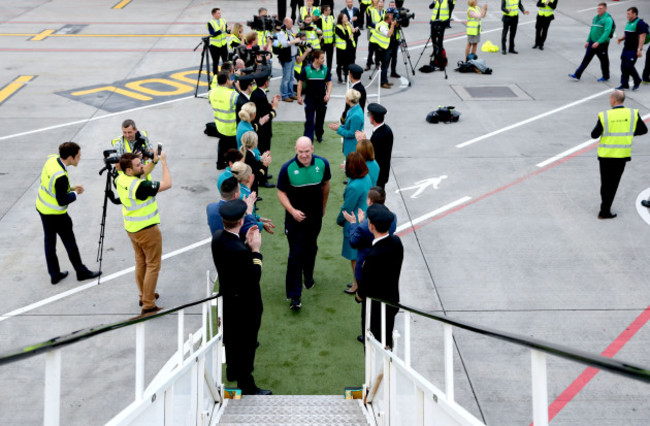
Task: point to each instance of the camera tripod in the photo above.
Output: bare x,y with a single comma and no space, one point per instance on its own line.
205,58
404,48
108,194
436,38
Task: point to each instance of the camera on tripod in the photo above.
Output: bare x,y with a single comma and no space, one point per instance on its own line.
110,157
402,16
265,23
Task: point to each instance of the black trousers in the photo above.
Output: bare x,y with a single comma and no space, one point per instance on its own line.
628,60
314,119
303,247
611,170
328,48
241,326
61,225
646,70
601,52
362,15
393,49
509,25
375,321
541,29
343,60
225,143
218,53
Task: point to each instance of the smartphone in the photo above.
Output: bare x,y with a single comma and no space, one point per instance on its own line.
159,149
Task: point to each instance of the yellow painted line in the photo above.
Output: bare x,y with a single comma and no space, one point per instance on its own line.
42,35
49,33
14,86
121,4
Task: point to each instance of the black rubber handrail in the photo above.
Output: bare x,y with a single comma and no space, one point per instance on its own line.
598,361
86,333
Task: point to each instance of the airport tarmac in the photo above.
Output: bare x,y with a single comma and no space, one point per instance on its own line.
505,200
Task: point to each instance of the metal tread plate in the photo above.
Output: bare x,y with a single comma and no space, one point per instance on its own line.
334,419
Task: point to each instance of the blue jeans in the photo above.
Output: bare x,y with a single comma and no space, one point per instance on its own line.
286,86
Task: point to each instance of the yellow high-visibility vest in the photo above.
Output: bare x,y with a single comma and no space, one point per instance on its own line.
224,100
512,6
619,125
137,214
218,25
473,24
378,38
444,11
46,199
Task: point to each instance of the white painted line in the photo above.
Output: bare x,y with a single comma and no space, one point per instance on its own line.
94,283
530,120
644,212
432,214
575,148
566,153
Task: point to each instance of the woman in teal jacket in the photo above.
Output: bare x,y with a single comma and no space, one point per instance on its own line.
353,122
354,199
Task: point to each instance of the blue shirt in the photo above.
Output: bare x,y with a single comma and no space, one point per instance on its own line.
216,223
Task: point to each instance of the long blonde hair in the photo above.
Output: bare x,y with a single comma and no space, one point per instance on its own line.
248,142
248,110
241,171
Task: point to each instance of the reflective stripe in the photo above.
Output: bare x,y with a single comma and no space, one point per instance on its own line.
603,145
444,11
512,6
380,39
52,206
618,125
141,218
221,120
473,24
606,131
52,179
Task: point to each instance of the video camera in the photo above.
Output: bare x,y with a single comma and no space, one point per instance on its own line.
265,23
110,157
402,16
140,146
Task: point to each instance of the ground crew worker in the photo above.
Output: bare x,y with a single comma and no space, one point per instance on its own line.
616,128
54,196
510,20
132,140
440,17
544,17
363,6
474,16
141,219
375,16
381,39
218,42
326,25
306,10
224,103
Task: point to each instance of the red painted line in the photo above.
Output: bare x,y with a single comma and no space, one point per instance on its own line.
585,377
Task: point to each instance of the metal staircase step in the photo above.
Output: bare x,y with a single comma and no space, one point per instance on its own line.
293,409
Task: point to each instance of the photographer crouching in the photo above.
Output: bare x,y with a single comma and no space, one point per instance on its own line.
140,211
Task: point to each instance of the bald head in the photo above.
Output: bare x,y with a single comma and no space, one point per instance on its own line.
288,22
304,150
617,97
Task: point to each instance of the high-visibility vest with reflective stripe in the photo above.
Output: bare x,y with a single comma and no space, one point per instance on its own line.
219,25
366,2
138,214
619,125
262,37
312,39
341,43
378,38
128,148
328,29
233,39
46,199
303,12
223,101
444,11
473,24
512,6
545,10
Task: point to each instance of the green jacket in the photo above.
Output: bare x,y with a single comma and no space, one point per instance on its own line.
601,28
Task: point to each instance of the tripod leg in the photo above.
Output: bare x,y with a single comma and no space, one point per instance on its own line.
422,53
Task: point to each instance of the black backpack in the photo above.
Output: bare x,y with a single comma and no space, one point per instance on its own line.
445,114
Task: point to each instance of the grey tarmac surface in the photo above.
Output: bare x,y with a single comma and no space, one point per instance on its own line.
524,253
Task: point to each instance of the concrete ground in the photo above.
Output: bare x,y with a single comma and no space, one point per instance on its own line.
515,244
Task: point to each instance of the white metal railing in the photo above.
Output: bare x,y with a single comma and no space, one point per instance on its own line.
396,394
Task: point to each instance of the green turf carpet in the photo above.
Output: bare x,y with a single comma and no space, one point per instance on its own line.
314,350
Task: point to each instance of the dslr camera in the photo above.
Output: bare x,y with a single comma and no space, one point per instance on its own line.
402,16
264,23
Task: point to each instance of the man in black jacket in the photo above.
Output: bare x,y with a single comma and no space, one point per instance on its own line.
264,107
382,141
239,269
380,272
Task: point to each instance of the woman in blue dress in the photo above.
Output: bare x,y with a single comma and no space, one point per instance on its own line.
367,151
353,121
354,199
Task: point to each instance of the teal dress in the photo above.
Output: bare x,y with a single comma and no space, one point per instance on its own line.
373,171
354,198
243,127
353,122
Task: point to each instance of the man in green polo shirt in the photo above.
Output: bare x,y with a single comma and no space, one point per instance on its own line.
597,43
303,189
141,219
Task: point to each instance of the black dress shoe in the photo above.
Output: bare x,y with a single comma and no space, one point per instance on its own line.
541,47
514,52
88,275
360,338
263,392
58,277
644,203
503,52
606,215
395,75
535,47
260,199
269,177
267,184
348,291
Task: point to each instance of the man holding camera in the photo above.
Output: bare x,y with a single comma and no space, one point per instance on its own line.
381,37
131,140
285,45
218,42
54,196
141,219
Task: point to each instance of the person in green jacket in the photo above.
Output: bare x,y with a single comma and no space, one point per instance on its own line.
597,43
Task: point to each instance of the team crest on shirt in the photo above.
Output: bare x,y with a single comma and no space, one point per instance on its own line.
295,172
317,169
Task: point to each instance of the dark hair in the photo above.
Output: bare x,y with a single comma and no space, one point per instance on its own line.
377,195
229,188
126,160
366,149
227,67
339,19
128,123
262,9
233,155
68,149
635,11
355,166
603,4
227,224
316,54
325,7
379,118
223,77
214,10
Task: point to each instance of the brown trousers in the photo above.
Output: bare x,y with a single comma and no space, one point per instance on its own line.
147,244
